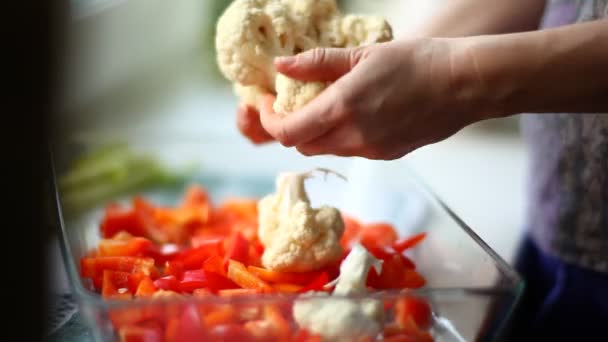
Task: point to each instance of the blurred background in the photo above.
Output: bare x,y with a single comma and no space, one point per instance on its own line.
148,66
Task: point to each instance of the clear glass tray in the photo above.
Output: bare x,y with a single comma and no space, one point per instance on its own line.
471,289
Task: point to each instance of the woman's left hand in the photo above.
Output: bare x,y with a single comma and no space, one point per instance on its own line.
385,101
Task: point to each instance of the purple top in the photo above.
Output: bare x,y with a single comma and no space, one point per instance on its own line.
568,181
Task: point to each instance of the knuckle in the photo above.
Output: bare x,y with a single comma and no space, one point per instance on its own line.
318,56
283,137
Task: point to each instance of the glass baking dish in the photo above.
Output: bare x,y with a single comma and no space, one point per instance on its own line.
472,291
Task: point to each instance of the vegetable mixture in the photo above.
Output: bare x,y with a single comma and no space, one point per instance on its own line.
201,249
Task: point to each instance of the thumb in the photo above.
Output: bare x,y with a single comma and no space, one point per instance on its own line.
321,64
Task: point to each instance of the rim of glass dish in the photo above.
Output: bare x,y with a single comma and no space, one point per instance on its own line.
514,287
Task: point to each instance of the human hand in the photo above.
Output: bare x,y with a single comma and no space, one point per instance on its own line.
248,123
385,101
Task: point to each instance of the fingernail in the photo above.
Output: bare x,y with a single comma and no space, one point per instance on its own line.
284,60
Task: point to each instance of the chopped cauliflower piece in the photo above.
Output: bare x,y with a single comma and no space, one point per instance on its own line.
341,318
297,237
251,33
354,270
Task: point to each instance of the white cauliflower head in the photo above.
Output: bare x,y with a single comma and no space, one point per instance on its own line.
251,33
297,237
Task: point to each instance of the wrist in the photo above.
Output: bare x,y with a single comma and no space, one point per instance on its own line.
474,93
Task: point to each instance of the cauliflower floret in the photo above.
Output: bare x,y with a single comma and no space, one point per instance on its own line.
251,33
293,94
364,30
354,270
250,95
339,318
297,237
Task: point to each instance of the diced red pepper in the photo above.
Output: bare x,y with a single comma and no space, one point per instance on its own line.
190,327
146,288
115,285
197,279
280,325
229,333
378,235
237,248
93,267
174,268
195,196
239,274
195,257
409,242
317,284
134,280
162,253
352,230
134,246
167,283
415,308
215,264
238,292
283,277
396,274
139,334
118,218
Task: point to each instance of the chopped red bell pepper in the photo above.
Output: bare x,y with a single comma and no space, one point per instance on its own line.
134,246
409,242
270,276
198,279
163,253
167,283
237,248
352,230
115,285
215,264
190,327
239,274
136,333
146,288
415,308
195,257
317,284
378,235
174,268
229,332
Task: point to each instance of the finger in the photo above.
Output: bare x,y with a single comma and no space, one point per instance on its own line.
322,64
248,123
342,141
311,121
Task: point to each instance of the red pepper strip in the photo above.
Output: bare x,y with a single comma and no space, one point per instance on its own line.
283,277
317,284
215,264
239,274
146,288
237,248
198,279
174,268
403,244
115,285
168,283
134,246
195,257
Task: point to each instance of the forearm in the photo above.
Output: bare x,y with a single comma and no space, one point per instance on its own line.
557,70
458,18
